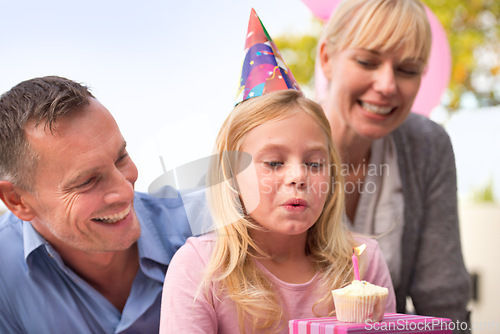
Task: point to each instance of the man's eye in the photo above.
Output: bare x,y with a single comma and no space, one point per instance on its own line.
86,183
122,157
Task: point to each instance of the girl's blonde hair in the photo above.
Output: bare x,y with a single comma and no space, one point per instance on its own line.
232,268
380,25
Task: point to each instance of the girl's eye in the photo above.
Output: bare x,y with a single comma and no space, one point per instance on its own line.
314,165
273,164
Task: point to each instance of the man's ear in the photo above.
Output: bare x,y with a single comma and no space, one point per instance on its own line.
324,58
12,197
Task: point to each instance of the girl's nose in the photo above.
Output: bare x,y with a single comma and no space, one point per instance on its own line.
296,175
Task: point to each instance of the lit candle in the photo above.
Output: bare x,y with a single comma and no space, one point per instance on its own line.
355,265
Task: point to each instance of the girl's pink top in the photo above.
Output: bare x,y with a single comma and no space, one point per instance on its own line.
186,309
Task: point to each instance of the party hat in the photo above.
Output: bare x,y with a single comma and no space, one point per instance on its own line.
264,70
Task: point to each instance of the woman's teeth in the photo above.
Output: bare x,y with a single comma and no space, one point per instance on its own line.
113,218
376,109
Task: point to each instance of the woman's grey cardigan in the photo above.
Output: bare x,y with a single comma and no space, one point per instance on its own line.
433,271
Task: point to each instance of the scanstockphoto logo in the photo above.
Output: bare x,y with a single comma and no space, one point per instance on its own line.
428,325
365,184
190,183
407,325
193,175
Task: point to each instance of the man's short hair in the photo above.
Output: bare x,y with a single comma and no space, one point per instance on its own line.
43,100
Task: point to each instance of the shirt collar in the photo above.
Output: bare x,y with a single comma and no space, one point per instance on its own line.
32,240
149,245
153,256
152,253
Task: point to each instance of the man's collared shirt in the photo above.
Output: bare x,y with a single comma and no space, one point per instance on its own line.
40,294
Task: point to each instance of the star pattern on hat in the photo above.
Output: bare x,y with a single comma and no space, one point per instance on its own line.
264,69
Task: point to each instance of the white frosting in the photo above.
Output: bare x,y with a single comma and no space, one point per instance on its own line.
362,288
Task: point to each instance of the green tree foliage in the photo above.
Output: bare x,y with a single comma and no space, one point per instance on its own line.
299,52
484,194
473,29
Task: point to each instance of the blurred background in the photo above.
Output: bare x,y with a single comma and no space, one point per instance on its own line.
169,70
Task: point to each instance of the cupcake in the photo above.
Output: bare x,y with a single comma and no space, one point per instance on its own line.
360,301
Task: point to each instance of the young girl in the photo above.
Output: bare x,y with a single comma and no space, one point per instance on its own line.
280,246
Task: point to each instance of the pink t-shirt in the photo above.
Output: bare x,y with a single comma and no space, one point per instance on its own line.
181,313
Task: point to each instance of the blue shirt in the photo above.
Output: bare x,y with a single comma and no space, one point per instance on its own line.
40,294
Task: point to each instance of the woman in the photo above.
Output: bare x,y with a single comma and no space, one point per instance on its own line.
399,167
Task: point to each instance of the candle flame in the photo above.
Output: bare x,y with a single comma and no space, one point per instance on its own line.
358,250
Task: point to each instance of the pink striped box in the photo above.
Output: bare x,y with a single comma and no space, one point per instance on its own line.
392,323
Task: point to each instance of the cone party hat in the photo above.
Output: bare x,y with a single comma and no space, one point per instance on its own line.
263,70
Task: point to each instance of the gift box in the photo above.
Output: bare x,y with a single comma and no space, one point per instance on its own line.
392,323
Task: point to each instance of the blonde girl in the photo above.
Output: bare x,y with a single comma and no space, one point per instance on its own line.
279,246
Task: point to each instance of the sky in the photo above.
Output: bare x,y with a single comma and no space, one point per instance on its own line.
168,71
476,142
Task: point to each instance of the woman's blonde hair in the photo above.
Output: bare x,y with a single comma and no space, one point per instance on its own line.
232,268
380,25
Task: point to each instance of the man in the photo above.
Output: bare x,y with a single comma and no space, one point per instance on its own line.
80,251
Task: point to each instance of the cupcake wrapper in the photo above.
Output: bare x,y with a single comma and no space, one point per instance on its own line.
359,308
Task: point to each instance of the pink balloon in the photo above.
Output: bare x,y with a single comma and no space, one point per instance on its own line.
437,77
322,9
434,81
